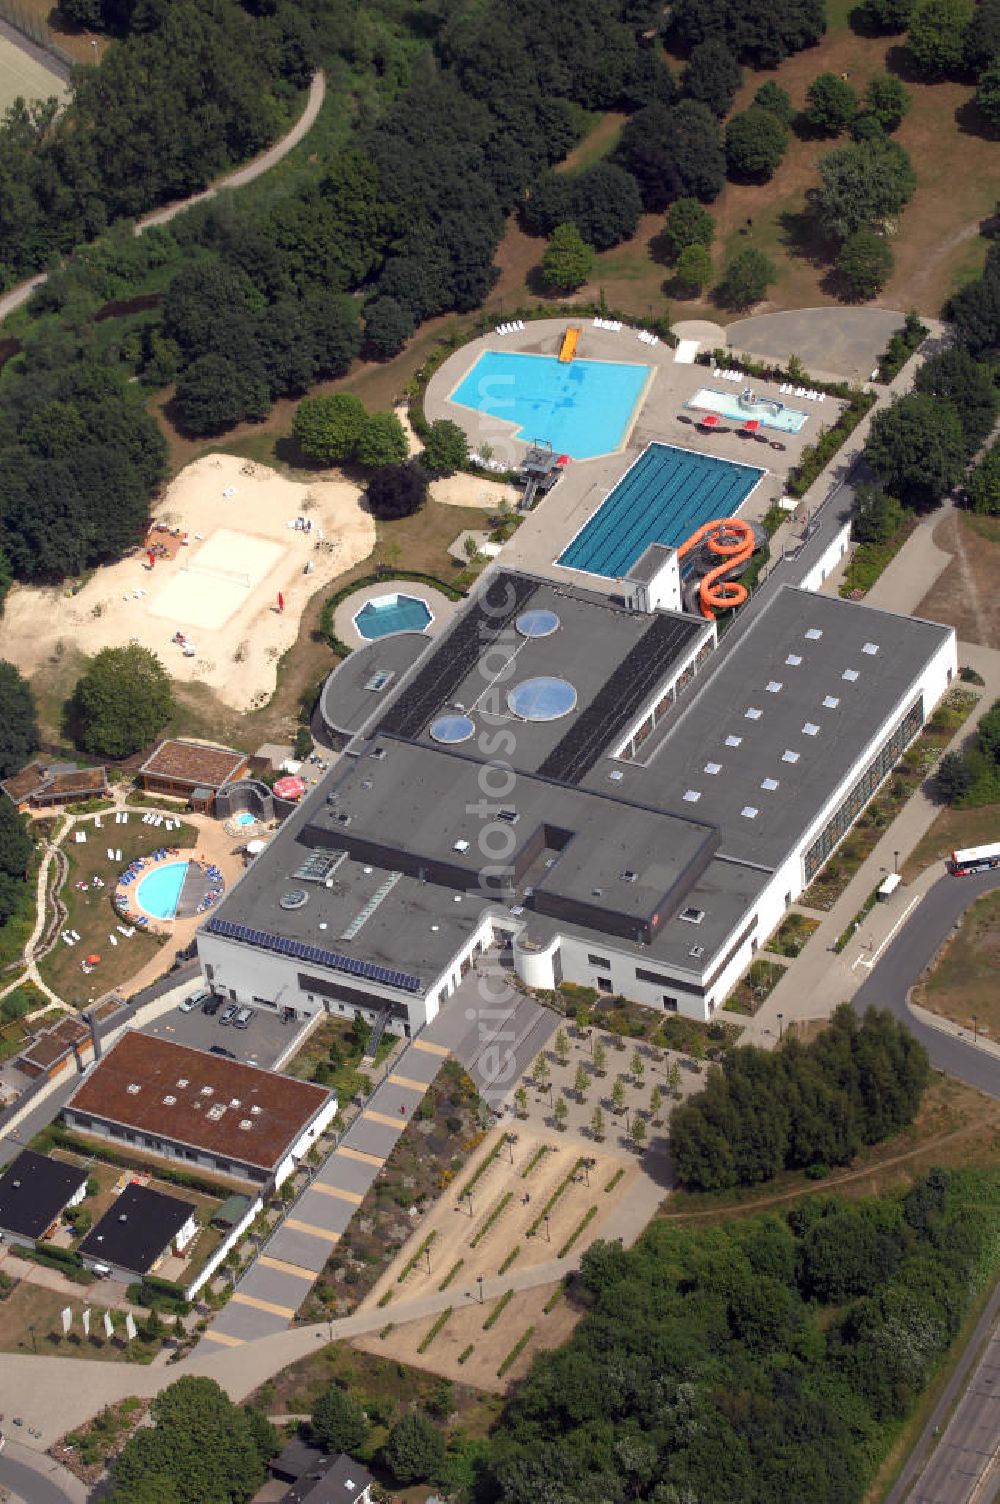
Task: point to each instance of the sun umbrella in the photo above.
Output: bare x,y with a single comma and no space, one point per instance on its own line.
563,459
709,421
93,960
290,788
751,425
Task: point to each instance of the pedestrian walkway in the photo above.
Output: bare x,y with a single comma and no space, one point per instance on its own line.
268,1295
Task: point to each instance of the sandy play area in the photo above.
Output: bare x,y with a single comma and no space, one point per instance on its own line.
220,590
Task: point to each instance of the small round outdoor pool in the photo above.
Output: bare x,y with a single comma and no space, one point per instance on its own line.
159,891
246,818
392,613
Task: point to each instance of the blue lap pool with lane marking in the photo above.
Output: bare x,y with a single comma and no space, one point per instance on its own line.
663,498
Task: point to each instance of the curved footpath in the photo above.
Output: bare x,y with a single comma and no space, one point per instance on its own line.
20,294
905,959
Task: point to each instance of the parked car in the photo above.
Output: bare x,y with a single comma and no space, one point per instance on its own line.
228,1013
195,1000
220,1049
212,1005
243,1019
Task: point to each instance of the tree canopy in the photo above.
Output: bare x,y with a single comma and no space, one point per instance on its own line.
864,263
18,720
712,75
831,104
746,278
568,260
337,1423
917,449
867,183
122,700
673,151
414,1452
397,490
326,429
984,484
756,141
887,100
953,376
936,36
875,515
200,1443
15,855
446,448
761,1112
688,223
759,37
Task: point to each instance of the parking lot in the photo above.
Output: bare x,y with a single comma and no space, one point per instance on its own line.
261,1043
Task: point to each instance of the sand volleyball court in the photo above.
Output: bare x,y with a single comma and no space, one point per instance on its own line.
241,535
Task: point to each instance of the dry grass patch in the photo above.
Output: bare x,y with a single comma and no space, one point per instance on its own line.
963,984
966,595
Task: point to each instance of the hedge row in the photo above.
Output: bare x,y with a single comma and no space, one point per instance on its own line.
54,1136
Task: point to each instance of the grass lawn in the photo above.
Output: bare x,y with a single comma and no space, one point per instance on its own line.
33,1306
597,144
955,1126
91,914
963,984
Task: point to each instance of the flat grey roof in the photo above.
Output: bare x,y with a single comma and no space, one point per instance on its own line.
423,810
649,563
346,701
779,682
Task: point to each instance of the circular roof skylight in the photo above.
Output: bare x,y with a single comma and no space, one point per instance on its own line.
537,623
542,699
451,729
294,898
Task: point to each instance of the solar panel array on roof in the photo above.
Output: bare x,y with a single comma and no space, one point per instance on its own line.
432,688
301,951
617,701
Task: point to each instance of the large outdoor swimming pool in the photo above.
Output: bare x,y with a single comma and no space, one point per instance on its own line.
392,613
662,498
158,893
580,407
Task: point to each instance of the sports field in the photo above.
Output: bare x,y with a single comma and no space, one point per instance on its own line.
21,75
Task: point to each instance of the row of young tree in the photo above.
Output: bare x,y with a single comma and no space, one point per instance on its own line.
801,1107
761,1361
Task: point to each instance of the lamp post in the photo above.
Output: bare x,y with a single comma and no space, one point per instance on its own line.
468,1197
975,1029
895,861
548,1235
427,1256
781,1026
34,1344
480,1278
511,1140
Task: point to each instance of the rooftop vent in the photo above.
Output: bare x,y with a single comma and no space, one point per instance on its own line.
344,818
814,634
770,784
234,1101
692,796
169,1101
789,756
810,729
379,679
256,1111
245,1125
206,1091
713,768
691,915
378,752
294,898
850,674
628,876
749,812
774,686
597,892
734,741
182,1082
697,951
753,714
215,1112
508,816
616,775
460,846
831,702
134,1088
367,783
793,660
871,648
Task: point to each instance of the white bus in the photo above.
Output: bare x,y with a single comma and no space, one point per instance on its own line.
975,859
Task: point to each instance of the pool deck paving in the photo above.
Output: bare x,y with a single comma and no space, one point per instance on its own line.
545,532
440,607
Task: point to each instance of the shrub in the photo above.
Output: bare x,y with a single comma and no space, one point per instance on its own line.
746,279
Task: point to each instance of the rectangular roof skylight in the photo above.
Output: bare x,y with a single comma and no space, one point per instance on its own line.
831,702
871,648
850,674
814,633
770,784
753,714
774,686
713,768
749,811
810,729
692,796
793,660
789,756
734,741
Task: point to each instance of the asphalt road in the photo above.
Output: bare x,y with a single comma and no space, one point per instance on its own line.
908,957
30,1483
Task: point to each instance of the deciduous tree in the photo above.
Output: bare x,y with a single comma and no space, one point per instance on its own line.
756,141
712,76
864,263
121,701
917,449
18,720
396,491
568,260
337,1423
746,279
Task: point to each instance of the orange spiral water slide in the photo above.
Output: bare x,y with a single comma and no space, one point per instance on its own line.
733,540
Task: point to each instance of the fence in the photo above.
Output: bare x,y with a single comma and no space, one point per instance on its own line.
37,31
